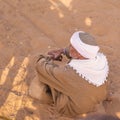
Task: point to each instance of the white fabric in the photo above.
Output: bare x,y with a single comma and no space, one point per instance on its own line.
87,51
94,70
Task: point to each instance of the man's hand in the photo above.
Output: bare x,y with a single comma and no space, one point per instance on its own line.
56,54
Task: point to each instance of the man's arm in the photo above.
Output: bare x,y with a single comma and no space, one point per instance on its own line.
57,54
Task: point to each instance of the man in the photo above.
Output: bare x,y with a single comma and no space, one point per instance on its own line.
74,87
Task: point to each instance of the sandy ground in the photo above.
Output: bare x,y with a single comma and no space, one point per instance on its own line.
31,27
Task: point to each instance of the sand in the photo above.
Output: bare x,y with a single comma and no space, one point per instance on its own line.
31,27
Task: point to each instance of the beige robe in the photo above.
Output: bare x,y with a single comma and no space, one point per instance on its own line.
60,85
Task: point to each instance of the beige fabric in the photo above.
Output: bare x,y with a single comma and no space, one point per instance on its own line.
38,90
71,94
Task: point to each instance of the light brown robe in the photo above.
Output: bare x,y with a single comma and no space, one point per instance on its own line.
60,85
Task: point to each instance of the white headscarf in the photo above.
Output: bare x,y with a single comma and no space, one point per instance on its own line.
87,51
95,69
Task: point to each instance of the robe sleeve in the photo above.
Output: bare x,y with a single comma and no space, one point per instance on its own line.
46,73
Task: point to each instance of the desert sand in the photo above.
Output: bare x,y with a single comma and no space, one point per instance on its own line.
31,27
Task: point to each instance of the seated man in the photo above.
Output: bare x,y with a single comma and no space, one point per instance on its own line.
74,87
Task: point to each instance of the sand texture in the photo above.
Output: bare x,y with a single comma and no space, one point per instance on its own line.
31,27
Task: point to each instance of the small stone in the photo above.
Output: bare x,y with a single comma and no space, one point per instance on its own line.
8,36
21,43
49,47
